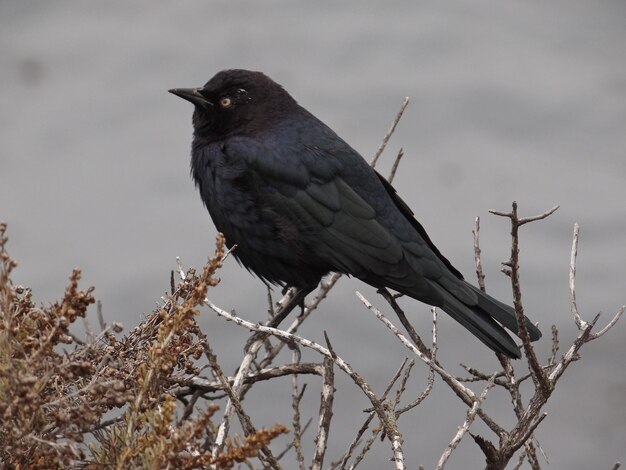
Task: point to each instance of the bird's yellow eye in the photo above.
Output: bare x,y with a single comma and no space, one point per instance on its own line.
226,102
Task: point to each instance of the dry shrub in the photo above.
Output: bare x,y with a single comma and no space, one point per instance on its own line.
106,402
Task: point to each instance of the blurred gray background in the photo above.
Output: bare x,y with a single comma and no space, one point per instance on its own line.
510,101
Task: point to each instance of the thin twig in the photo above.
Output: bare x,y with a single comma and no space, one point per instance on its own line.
322,292
290,301
405,322
433,347
101,322
207,386
368,420
296,398
389,132
467,399
525,220
538,374
555,345
355,442
266,454
609,325
469,419
325,415
394,168
343,365
480,276
290,445
580,323
518,407
430,382
427,360
405,378
572,352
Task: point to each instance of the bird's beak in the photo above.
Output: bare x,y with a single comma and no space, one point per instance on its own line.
192,95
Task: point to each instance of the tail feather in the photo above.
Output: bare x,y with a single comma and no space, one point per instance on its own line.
486,318
481,325
504,313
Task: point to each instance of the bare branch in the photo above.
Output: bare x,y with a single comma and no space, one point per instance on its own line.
610,325
421,397
394,168
555,345
525,220
325,286
181,270
480,276
355,442
206,386
389,132
572,352
296,398
398,455
405,322
427,360
580,323
533,218
343,365
467,399
469,419
433,347
287,303
325,414
396,376
524,436
518,407
244,419
538,374
290,445
344,460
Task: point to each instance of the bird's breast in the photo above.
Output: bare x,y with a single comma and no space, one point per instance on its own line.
268,242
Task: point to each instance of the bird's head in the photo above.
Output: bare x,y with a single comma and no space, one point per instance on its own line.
235,102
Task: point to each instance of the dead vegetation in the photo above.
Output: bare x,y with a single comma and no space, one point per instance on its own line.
106,402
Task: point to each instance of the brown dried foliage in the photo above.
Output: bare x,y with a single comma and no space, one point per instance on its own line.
106,402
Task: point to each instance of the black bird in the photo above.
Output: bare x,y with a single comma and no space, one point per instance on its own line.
299,202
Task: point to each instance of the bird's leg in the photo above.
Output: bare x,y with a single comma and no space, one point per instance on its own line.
302,304
297,299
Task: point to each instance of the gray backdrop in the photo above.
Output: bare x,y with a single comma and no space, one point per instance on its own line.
523,100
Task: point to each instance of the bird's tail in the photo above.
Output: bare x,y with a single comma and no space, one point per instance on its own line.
486,320
504,313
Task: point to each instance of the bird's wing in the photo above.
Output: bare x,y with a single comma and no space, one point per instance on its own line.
352,219
344,214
